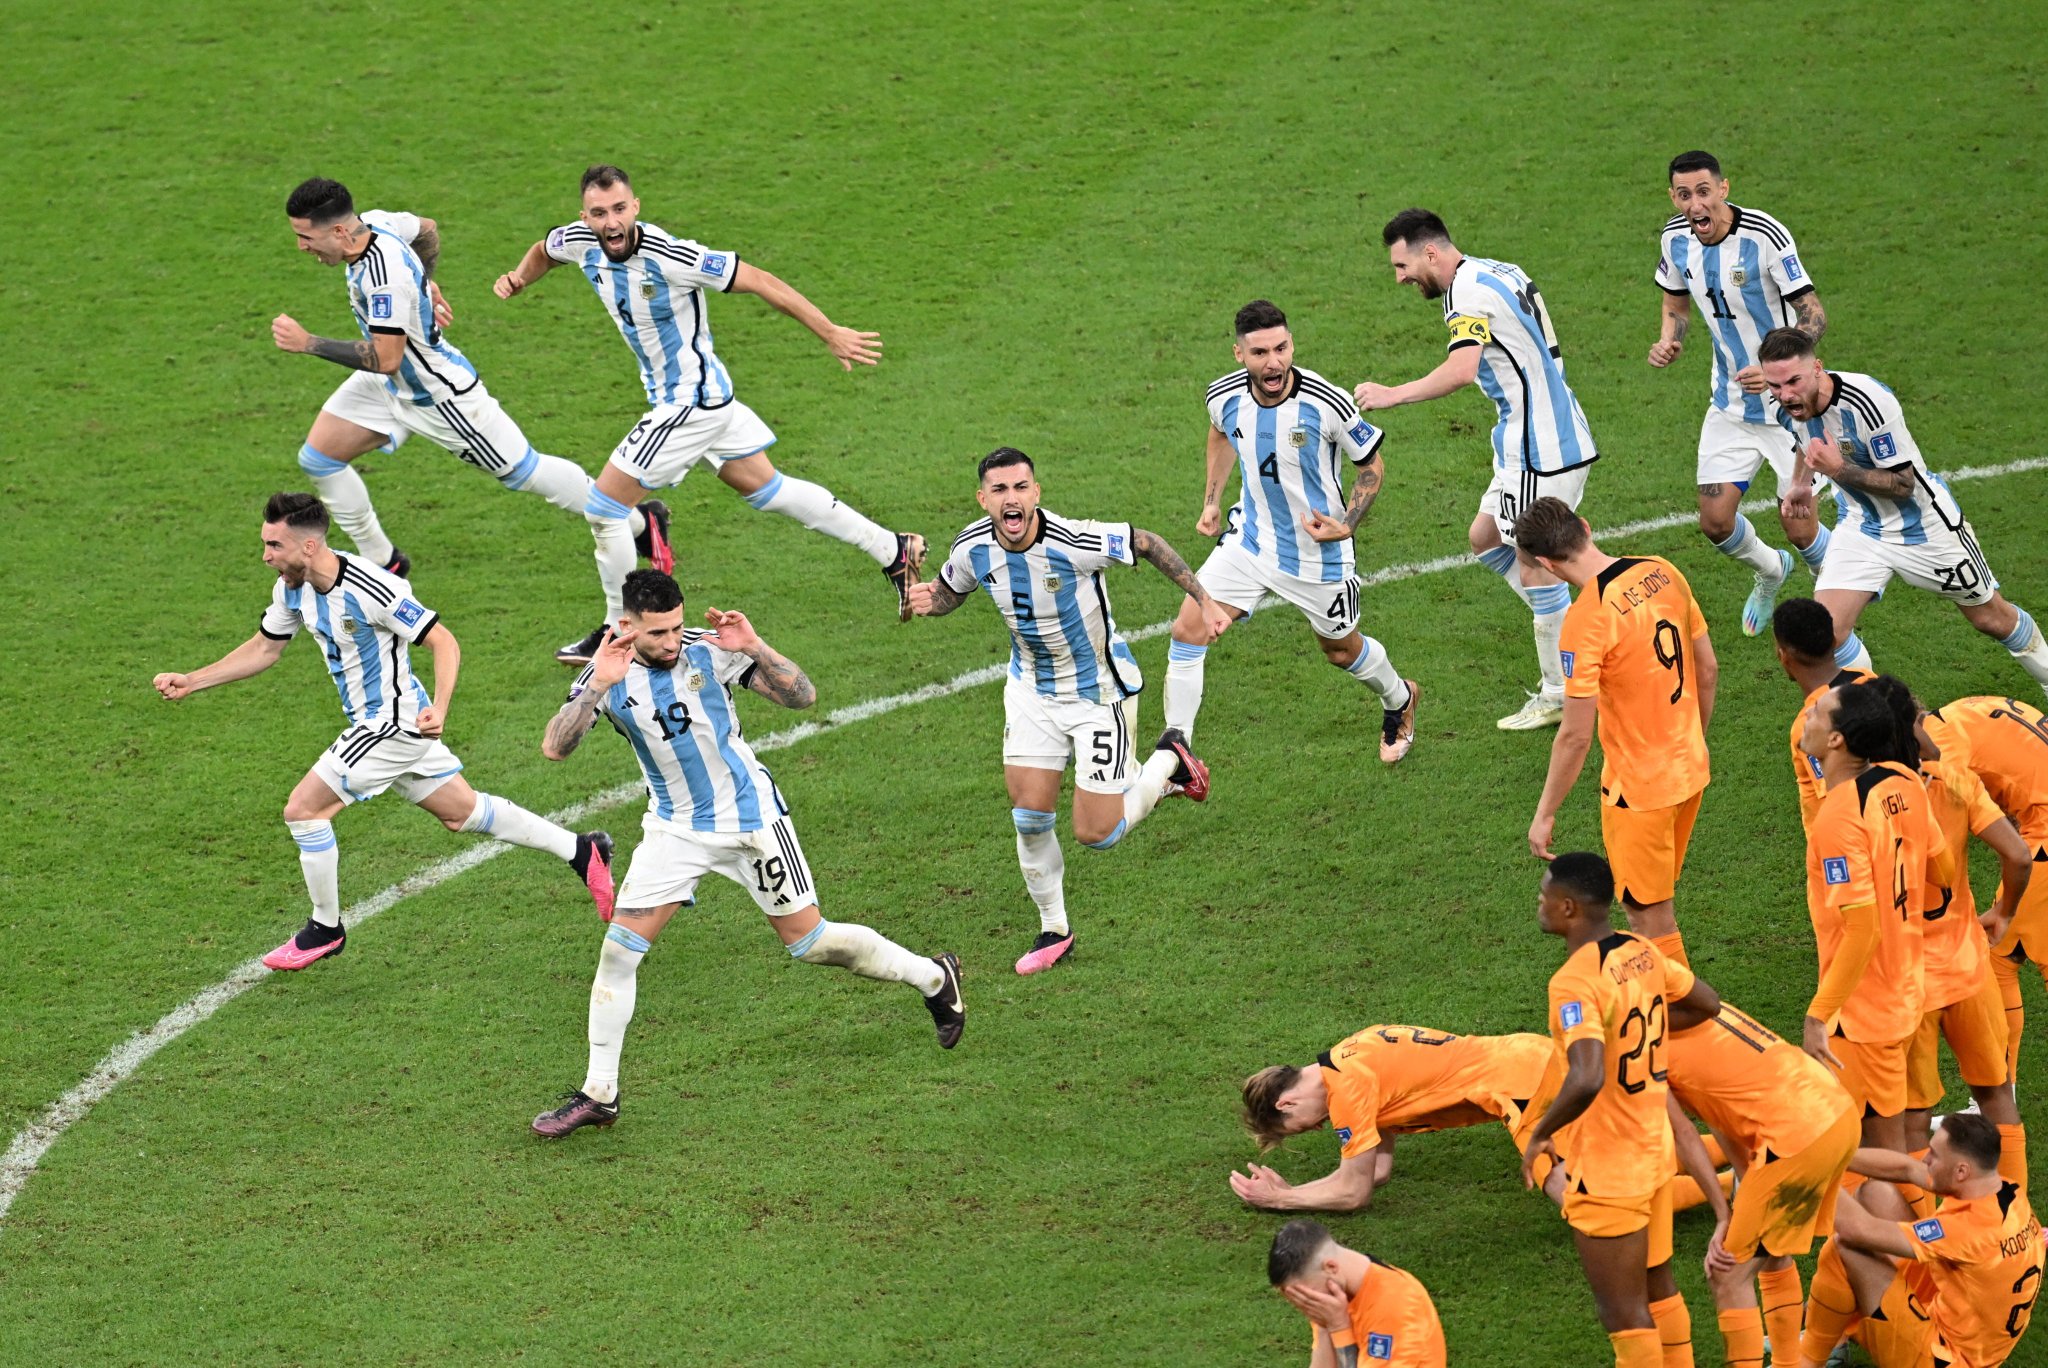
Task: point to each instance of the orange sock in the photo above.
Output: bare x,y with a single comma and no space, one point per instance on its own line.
1830,1306
1674,1330
2012,1154
1742,1338
1686,1194
1637,1349
1782,1301
2007,972
1673,947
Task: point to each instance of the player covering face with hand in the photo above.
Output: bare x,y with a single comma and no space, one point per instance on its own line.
1363,1311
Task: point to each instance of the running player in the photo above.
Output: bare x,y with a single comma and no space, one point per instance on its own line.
1610,1005
1502,341
409,377
1636,652
366,621
1743,270
1073,683
1357,1304
1954,1290
1384,1082
1805,636
1851,429
652,283
1290,533
1789,1129
1866,864
712,808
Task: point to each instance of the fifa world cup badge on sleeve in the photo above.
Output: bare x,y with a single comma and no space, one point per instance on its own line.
1571,1014
1361,432
1835,869
380,306
1568,658
1791,265
1379,1347
1343,1135
1114,543
556,238
1883,447
712,264
408,612
1927,1231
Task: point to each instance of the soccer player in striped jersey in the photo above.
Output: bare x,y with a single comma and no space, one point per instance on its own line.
409,377
1743,270
1285,429
652,283
366,621
1502,341
1357,1304
1073,684
1894,515
712,808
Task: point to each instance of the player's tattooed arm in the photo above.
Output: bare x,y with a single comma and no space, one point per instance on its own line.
1813,319
358,354
777,678
570,724
1364,489
427,246
1153,548
934,598
1896,483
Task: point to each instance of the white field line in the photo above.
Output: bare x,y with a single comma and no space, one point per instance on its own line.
18,1165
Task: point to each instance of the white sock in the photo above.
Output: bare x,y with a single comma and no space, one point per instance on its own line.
1141,797
2029,646
1184,662
615,560
1852,654
1044,866
506,820
1548,602
348,500
1376,671
320,862
815,507
869,953
1745,545
611,1009
561,482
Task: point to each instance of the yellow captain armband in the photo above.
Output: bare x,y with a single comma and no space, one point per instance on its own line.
1469,328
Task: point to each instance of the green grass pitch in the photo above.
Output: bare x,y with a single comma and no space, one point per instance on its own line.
1050,212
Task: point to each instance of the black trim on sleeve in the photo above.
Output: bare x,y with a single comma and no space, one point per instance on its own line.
1687,294
1799,293
433,621
1461,342
387,332
730,280
746,679
274,636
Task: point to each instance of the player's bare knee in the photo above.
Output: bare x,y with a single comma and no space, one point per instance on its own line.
1187,623
1343,653
1098,834
1717,523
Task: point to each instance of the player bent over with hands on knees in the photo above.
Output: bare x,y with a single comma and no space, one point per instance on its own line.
1073,682
366,621
1357,1305
712,808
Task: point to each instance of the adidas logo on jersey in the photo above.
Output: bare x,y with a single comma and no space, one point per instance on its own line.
1237,434
989,579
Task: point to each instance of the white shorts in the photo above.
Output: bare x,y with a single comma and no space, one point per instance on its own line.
768,863
1948,563
472,425
1041,732
1732,451
1514,490
368,759
1235,577
663,446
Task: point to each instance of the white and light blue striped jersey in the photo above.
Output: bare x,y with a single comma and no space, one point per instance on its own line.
1865,420
1744,286
1493,306
1287,464
1063,640
684,727
387,291
656,296
365,624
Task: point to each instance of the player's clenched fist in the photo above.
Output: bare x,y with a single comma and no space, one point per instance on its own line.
286,332
509,284
1664,351
173,686
920,595
1210,524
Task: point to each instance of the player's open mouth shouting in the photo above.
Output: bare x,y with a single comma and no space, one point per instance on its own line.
1014,517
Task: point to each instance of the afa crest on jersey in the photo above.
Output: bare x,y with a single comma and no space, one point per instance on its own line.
1053,583
694,681
1738,277
1297,437
349,625
647,289
1835,869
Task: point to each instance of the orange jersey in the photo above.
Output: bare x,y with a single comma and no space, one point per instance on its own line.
1806,769
2009,751
1763,1093
1628,641
1615,990
1394,1320
1984,1256
1402,1080
1868,849
1957,954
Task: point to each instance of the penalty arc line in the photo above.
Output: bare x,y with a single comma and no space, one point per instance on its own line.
29,1146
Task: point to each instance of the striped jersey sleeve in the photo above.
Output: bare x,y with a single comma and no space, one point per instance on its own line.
281,622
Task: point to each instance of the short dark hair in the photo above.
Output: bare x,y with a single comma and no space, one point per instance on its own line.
650,591
1550,529
1694,161
604,176
1975,1138
1262,1115
1805,628
300,512
1784,344
1584,875
320,201
1295,1246
1000,457
1415,227
1257,316
1873,725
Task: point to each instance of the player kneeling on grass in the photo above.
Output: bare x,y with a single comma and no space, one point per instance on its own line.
712,809
1073,683
366,620
1357,1304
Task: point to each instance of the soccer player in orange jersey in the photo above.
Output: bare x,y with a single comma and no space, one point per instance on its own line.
1383,1082
1789,1128
1636,653
1806,651
1610,1006
1358,1305
1954,1290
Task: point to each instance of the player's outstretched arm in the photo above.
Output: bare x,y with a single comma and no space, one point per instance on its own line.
380,354
1860,1228
574,719
846,345
1586,1070
776,677
1217,458
1459,369
1674,320
1347,1188
1567,759
933,598
447,665
1364,489
252,657
535,264
1890,1166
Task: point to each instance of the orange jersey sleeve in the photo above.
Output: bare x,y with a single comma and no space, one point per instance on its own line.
1868,850
1629,642
1752,1086
1394,1322
1613,991
2009,751
1984,1255
1354,1092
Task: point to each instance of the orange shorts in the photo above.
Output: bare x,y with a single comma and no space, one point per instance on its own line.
1900,1332
1875,1075
1975,1031
1646,848
2029,930
1782,1203
1607,1217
